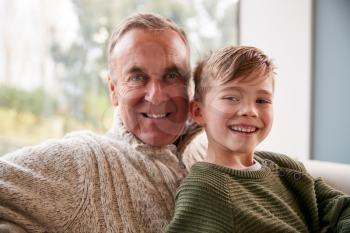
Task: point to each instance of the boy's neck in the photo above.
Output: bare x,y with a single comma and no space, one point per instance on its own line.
230,159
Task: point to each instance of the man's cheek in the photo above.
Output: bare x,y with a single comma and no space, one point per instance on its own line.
129,117
178,89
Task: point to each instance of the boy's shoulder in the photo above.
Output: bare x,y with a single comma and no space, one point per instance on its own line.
204,172
281,160
204,176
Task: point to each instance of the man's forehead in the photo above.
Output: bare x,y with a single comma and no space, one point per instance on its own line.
142,39
149,50
151,61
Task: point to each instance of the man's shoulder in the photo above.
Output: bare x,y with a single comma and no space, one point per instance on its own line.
85,136
281,160
195,150
73,148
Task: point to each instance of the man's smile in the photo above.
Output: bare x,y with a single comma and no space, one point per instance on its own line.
156,116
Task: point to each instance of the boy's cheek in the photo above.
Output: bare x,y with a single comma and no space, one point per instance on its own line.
221,112
221,109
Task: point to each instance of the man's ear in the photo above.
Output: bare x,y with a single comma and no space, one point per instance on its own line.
196,110
112,88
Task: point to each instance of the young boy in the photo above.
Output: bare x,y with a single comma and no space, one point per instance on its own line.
237,189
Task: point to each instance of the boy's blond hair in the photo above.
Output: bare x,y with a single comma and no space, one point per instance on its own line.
230,63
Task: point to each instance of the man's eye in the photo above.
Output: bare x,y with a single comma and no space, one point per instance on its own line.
171,76
137,78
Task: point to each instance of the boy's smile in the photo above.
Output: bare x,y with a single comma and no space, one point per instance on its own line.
243,128
237,116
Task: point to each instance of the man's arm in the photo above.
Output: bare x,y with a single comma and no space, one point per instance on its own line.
334,207
38,190
6,227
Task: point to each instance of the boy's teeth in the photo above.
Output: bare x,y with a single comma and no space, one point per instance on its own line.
243,129
156,116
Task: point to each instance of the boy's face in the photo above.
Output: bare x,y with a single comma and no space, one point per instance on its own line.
237,115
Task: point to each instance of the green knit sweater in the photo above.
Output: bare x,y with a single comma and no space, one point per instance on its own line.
280,197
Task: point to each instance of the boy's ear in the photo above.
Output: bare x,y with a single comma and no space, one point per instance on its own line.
196,109
112,88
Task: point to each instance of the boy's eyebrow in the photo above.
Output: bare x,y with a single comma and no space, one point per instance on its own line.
230,88
261,91
264,92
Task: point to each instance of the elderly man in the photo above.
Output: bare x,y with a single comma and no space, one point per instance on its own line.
125,180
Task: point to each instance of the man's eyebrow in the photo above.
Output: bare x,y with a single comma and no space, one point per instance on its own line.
176,69
134,69
173,68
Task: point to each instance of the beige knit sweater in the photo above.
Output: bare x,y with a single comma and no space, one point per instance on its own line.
89,183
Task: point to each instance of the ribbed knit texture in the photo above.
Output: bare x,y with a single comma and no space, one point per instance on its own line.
89,183
280,197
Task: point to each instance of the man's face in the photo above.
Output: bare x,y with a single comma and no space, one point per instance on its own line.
150,71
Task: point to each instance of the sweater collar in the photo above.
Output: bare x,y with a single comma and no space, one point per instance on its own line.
260,174
120,132
266,168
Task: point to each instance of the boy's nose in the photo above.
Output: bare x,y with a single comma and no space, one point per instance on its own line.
248,109
156,92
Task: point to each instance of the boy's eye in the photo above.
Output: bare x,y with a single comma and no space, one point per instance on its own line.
232,98
263,101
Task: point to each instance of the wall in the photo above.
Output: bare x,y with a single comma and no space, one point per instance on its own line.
283,30
331,126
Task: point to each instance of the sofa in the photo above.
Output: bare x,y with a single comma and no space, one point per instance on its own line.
336,175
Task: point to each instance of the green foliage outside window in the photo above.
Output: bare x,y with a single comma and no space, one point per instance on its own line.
79,98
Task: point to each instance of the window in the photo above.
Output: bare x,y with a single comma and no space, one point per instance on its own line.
53,62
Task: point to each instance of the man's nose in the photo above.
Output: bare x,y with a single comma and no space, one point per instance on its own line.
156,92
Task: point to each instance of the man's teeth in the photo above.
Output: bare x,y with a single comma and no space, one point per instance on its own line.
243,129
156,116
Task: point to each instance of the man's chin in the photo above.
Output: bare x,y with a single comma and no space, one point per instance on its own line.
158,140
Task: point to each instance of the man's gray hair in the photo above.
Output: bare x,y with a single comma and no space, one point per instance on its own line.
147,21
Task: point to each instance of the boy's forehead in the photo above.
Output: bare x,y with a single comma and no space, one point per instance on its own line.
262,83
